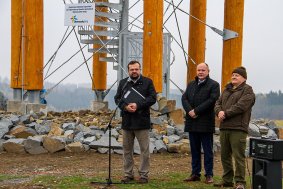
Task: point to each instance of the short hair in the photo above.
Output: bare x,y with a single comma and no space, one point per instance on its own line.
205,64
134,62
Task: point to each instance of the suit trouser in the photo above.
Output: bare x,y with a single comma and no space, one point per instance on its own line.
204,140
128,147
233,144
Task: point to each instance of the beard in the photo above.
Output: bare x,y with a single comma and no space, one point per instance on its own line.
134,77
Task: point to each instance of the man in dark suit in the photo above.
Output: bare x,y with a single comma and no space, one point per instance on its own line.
135,119
198,101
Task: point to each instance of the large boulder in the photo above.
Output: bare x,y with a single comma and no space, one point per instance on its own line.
55,130
5,125
33,145
75,147
160,146
177,116
21,131
54,143
103,142
43,128
14,146
253,130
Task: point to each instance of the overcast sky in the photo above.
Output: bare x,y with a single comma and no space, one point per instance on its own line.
262,43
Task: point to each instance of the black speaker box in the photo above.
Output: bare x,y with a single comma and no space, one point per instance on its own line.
265,148
266,174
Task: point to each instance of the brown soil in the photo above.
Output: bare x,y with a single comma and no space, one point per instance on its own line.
88,164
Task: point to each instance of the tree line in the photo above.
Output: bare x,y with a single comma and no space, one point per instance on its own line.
269,105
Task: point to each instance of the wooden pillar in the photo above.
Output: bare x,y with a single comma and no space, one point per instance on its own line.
232,48
99,67
33,44
196,36
16,50
153,42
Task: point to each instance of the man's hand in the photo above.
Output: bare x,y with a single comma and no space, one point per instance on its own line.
192,114
132,107
221,115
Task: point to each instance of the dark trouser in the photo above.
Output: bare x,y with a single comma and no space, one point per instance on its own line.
233,144
206,141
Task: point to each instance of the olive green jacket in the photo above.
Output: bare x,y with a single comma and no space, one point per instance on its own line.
237,105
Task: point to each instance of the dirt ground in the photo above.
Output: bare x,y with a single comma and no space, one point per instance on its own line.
88,164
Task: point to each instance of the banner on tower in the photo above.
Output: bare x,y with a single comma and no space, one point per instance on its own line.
81,14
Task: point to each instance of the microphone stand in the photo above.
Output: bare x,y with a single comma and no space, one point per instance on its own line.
109,127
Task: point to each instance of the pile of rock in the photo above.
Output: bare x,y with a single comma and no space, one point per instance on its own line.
262,127
37,133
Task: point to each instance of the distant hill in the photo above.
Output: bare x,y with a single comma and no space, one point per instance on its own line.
74,97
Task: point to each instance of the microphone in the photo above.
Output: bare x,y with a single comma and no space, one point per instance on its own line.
129,79
126,83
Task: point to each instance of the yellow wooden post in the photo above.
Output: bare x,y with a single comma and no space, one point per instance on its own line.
232,48
99,67
196,36
33,44
16,50
153,42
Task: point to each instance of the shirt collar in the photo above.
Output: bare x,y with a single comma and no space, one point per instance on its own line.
134,81
201,81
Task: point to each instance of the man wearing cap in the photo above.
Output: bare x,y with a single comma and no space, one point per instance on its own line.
233,109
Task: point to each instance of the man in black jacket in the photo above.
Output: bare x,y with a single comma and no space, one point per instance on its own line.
198,102
134,97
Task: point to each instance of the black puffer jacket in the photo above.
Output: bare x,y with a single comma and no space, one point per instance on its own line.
201,98
141,118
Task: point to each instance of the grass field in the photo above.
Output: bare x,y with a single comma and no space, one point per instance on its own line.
279,123
76,171
168,181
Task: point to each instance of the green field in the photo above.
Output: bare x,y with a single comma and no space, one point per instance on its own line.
169,181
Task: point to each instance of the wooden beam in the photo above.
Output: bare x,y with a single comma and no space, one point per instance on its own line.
16,50
33,44
196,36
153,42
99,67
232,48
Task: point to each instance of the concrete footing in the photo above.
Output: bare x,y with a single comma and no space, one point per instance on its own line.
24,107
96,106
